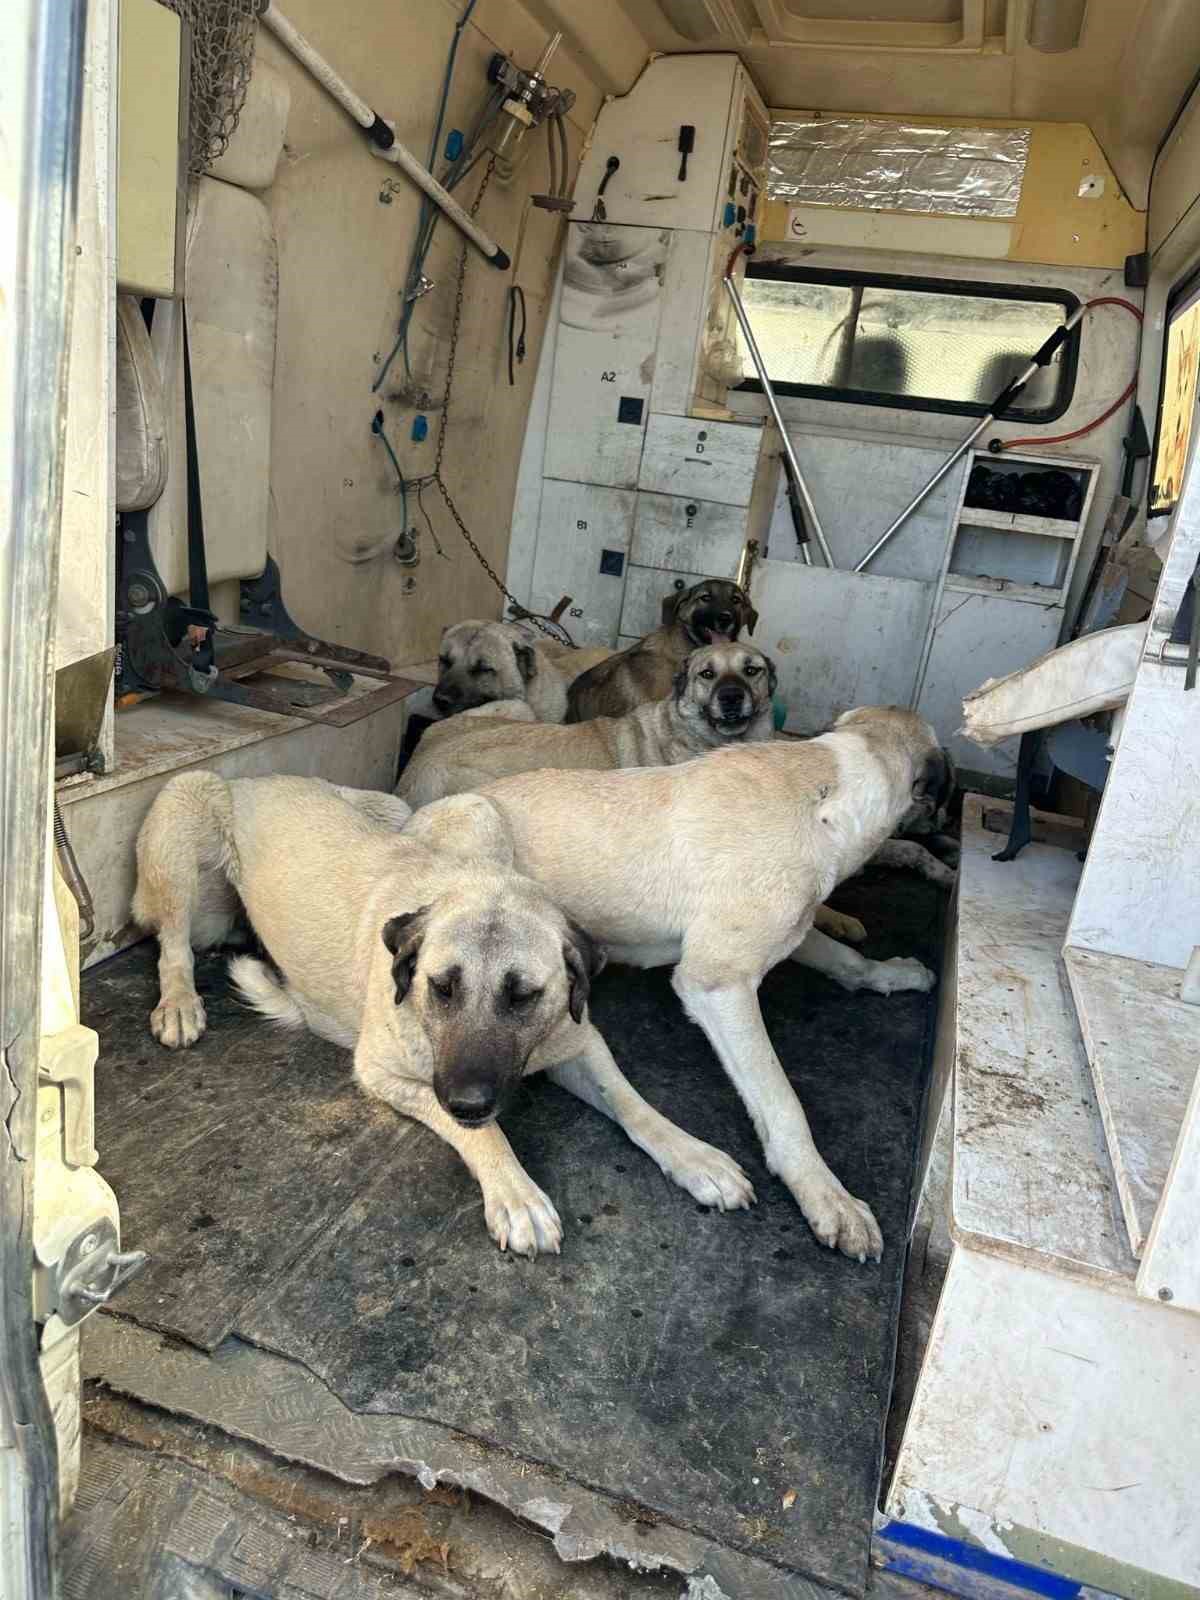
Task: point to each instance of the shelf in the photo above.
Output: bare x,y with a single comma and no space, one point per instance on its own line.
1030,593
1013,522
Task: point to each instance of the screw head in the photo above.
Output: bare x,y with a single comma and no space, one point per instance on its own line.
88,1244
1165,1294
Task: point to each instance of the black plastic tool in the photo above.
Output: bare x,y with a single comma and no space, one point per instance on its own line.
687,143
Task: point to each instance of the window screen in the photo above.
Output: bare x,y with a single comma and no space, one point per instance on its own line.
907,342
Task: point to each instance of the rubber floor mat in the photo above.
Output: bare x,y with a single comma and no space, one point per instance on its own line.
723,1372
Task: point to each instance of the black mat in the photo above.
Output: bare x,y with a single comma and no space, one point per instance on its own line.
705,1367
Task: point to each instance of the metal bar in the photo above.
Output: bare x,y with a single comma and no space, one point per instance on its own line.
1001,403
382,136
759,367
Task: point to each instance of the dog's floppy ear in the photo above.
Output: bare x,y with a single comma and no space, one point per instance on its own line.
402,936
749,614
935,782
670,606
679,686
526,658
772,675
584,959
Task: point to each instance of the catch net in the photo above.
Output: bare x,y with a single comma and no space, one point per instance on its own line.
221,55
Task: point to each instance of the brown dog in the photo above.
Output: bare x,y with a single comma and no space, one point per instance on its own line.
710,611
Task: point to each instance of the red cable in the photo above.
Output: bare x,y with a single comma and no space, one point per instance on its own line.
1078,433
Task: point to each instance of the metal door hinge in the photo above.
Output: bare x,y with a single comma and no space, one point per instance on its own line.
92,1271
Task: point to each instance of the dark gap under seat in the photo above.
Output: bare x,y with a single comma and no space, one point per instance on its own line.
697,1365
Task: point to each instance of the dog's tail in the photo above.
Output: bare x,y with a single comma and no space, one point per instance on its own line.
261,989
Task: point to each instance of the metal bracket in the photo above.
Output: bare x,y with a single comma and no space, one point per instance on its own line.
93,1269
69,1059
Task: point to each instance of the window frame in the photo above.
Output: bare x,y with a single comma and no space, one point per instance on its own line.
833,277
1182,289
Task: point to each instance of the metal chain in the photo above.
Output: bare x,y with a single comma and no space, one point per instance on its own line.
553,630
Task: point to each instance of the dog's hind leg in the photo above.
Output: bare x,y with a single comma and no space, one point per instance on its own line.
853,971
708,1174
186,867
910,856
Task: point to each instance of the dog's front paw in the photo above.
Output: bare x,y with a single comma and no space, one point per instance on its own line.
838,925
521,1218
178,1023
901,973
708,1174
839,1220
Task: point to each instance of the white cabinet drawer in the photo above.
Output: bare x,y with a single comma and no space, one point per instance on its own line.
682,535
700,460
583,550
645,590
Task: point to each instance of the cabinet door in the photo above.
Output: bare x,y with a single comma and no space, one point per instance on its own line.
699,459
611,305
645,590
584,534
678,534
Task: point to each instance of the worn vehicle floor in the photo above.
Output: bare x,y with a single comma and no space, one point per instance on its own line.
724,1376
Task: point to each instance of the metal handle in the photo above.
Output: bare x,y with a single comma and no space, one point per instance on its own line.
796,477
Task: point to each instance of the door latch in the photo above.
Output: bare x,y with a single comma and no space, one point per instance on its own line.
93,1269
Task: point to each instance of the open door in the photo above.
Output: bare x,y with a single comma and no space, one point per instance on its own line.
41,47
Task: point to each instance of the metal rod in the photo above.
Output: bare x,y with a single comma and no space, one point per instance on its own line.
382,136
797,476
1008,396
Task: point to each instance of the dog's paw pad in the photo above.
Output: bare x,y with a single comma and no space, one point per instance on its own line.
178,1023
709,1175
522,1221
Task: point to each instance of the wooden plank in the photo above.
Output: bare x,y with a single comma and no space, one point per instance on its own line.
1032,1178
1143,1044
1015,522
699,459
1170,1269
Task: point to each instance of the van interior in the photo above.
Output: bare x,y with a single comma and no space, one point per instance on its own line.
367,319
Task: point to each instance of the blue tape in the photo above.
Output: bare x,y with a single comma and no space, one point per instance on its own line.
956,1552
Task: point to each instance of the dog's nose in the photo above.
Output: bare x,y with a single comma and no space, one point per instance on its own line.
472,1102
730,698
444,699
724,621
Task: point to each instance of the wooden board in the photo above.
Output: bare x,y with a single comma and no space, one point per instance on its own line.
1170,1268
1032,1178
1143,1044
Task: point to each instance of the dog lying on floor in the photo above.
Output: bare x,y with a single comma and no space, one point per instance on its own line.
719,867
710,611
450,976
479,662
722,695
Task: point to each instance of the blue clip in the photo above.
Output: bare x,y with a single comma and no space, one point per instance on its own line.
420,428
454,144
751,230
730,214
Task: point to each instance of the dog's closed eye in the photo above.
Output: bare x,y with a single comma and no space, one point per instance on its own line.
444,987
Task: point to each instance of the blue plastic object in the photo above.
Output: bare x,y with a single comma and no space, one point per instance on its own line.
778,713
751,232
730,213
420,428
454,144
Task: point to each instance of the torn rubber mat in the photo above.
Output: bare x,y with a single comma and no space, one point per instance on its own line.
726,1373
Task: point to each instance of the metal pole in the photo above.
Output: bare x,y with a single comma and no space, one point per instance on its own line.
1000,403
810,509
383,140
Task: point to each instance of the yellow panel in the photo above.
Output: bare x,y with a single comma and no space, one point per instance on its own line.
148,153
1055,224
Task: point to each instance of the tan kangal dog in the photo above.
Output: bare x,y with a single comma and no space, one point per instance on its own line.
719,867
710,611
479,662
449,975
722,695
